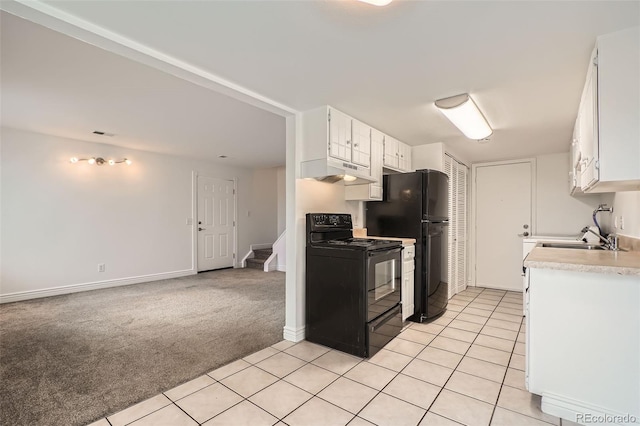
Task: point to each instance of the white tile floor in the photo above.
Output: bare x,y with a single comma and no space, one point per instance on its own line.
464,368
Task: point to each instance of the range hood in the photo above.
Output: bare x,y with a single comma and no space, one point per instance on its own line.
332,173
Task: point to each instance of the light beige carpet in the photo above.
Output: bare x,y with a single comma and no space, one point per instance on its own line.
69,360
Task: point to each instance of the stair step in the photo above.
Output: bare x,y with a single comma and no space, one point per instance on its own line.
255,263
262,253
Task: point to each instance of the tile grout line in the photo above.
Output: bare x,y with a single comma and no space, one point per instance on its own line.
457,365
415,357
475,298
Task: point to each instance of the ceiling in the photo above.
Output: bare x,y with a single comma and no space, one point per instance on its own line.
524,63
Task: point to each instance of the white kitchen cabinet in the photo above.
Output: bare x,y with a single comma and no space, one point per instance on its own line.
407,291
609,130
574,161
330,148
371,191
361,145
397,155
405,157
458,235
583,343
391,153
339,135
587,126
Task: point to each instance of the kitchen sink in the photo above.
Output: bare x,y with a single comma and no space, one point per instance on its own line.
574,246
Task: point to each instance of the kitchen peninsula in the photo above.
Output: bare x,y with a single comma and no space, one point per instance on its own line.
583,332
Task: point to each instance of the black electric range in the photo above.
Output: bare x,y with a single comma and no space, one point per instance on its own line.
352,286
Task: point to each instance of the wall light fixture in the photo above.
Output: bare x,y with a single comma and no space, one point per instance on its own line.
99,161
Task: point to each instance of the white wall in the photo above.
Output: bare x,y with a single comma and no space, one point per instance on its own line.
60,220
264,206
557,212
431,156
282,199
627,205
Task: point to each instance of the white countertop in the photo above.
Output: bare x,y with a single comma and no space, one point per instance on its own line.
552,238
597,261
362,233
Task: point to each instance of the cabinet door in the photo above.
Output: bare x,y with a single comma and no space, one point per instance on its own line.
588,136
391,155
408,303
361,149
404,162
377,152
339,135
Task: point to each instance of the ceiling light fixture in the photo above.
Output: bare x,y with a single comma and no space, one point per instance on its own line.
377,2
99,161
465,115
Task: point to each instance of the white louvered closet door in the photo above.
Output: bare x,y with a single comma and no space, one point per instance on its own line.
461,227
458,182
449,170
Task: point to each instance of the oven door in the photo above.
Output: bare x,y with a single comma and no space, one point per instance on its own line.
383,281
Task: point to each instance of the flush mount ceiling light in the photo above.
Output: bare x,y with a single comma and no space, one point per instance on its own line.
377,2
465,115
99,161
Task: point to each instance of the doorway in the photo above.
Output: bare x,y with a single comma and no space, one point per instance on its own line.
216,223
503,215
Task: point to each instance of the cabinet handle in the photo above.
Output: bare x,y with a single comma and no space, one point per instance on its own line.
348,142
355,144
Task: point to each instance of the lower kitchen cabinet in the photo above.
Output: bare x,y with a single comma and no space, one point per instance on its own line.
408,268
583,343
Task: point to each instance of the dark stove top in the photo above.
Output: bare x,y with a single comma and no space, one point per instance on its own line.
334,230
358,243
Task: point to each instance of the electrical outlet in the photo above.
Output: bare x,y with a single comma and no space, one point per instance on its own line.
101,267
621,223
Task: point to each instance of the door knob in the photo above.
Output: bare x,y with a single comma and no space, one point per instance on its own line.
200,229
524,234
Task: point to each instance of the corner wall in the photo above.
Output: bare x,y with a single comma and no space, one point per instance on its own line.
557,212
60,220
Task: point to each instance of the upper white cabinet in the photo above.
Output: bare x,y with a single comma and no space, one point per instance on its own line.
371,191
361,145
608,125
574,161
588,126
334,145
340,128
397,155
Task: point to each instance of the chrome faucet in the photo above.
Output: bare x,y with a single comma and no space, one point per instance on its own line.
606,243
601,208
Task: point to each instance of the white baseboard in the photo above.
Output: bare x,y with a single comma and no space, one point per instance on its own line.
75,288
281,268
576,411
293,334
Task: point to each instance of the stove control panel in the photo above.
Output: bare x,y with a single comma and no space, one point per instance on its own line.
330,220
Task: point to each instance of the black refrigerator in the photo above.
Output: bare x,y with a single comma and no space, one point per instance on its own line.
416,205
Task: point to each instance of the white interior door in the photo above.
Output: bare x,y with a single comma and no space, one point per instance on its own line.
502,217
216,215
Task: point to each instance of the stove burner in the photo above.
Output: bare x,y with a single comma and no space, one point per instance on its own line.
362,242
